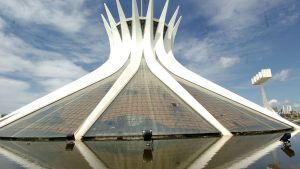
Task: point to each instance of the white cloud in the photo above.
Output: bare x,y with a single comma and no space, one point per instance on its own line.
12,63
296,105
14,93
63,70
57,69
227,62
65,15
274,103
239,10
195,50
7,83
2,23
54,83
234,23
86,40
207,58
243,19
42,68
289,19
49,74
289,16
283,75
238,14
13,53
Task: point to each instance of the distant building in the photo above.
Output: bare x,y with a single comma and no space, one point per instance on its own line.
287,109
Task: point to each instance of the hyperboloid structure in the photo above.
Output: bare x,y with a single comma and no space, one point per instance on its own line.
140,87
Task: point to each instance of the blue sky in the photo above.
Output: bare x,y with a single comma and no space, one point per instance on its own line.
46,44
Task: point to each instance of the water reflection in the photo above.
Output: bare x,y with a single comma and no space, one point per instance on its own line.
164,153
148,156
261,151
70,146
288,150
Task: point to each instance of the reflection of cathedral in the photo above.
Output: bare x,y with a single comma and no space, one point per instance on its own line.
210,152
140,87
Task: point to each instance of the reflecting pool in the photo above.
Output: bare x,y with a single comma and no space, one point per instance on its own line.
255,151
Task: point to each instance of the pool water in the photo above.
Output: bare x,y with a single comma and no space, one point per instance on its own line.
255,151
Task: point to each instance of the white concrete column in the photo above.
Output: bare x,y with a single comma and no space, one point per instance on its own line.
129,72
166,78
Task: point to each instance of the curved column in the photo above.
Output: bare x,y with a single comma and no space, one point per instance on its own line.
166,57
175,32
170,31
125,30
160,28
167,79
129,72
118,56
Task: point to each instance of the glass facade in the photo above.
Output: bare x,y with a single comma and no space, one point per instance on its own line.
146,103
63,117
234,116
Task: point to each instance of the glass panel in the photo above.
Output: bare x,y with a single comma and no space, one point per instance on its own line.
146,103
234,116
62,117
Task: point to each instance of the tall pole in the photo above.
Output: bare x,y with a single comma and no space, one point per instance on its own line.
264,98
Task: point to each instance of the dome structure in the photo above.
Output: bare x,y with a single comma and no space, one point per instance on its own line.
140,87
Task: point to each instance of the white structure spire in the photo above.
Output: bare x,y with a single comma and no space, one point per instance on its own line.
108,30
161,24
124,27
175,30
